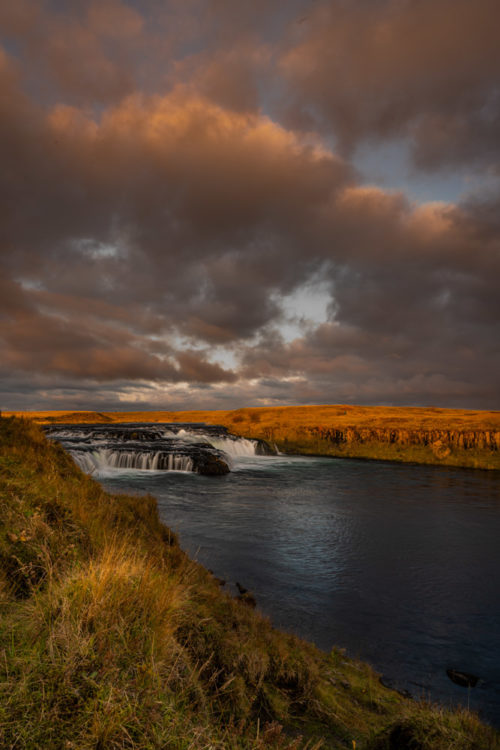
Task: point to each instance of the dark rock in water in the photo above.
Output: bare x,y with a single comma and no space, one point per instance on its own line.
211,465
464,679
245,596
220,581
262,448
87,433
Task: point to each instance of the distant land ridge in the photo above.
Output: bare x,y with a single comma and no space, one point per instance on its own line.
424,435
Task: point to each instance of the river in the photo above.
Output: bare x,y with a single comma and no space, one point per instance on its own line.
398,563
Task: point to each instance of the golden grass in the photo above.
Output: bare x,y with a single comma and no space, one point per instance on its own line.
341,415
110,637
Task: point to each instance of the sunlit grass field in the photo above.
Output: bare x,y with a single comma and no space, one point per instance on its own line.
448,437
427,418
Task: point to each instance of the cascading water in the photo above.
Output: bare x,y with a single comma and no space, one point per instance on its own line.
98,460
219,437
205,449
232,446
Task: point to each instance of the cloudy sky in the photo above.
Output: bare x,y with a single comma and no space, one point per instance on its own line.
217,203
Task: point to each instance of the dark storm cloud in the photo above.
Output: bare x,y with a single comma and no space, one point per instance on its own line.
84,54
415,309
203,196
425,70
148,238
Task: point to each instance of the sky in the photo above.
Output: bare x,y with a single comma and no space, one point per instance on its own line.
216,204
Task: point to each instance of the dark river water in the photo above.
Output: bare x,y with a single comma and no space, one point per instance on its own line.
399,564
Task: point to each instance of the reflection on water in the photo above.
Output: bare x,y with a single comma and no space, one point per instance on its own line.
398,563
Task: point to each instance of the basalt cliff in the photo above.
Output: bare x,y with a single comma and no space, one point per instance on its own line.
467,448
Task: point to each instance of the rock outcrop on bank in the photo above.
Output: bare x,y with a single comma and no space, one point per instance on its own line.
437,440
469,449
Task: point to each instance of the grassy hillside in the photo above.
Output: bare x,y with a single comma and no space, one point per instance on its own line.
111,637
449,437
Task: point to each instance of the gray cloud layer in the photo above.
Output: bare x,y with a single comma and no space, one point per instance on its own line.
154,217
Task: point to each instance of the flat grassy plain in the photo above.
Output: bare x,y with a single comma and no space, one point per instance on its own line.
111,637
448,437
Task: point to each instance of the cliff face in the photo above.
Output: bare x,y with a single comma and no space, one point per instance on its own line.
467,448
471,439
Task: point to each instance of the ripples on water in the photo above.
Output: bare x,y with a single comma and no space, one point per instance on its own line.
398,563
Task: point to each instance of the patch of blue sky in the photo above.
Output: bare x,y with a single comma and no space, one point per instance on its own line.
388,165
307,306
225,356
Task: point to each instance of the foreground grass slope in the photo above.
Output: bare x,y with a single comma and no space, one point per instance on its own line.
111,637
449,437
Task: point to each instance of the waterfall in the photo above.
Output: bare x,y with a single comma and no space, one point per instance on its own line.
230,444
99,459
195,447
238,447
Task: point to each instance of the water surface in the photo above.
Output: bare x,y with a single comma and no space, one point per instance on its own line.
399,564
